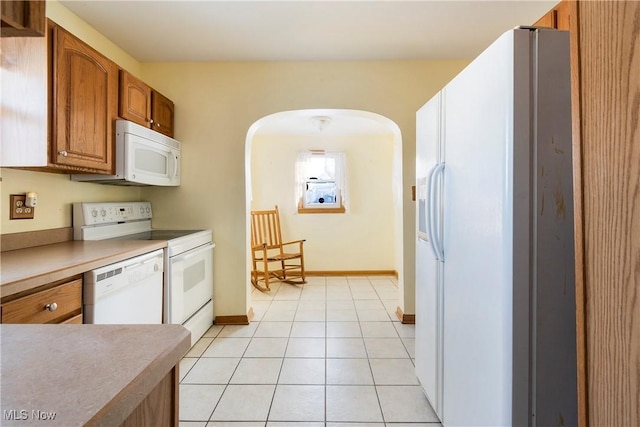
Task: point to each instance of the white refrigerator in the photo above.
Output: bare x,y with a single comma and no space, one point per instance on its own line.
495,301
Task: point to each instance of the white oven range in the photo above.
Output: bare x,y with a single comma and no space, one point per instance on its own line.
188,257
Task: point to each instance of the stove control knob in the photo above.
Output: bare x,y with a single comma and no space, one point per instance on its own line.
148,209
141,209
94,213
103,212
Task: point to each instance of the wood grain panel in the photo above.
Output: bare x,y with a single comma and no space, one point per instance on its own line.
23,18
160,407
75,320
566,17
610,91
548,20
135,99
23,104
85,104
163,113
348,273
32,308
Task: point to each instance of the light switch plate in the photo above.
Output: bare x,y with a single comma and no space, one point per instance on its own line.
18,208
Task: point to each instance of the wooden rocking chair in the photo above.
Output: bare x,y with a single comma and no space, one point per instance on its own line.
270,261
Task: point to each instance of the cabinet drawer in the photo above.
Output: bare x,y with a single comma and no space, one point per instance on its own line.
75,320
33,308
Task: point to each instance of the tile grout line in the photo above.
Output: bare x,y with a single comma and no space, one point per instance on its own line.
298,301
275,387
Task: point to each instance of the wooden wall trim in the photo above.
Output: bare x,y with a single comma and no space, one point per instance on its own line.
29,239
334,273
570,9
242,319
407,319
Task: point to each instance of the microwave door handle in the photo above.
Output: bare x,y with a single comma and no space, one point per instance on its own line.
175,165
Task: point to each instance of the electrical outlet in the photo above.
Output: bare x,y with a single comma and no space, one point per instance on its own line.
18,208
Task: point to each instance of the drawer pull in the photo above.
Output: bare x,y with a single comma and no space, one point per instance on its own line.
51,307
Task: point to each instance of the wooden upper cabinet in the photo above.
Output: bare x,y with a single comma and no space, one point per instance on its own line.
135,99
84,107
23,101
548,20
22,18
163,112
557,18
143,105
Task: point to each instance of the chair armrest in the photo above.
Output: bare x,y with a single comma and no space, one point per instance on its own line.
294,241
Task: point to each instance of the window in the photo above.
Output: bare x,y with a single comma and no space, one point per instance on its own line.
320,182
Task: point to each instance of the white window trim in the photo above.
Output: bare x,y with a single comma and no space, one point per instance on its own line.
302,178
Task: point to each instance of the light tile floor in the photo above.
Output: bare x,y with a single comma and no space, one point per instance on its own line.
329,353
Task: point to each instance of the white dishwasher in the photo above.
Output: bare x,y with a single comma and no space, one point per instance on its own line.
127,292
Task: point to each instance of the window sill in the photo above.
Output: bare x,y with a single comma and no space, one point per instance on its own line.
339,210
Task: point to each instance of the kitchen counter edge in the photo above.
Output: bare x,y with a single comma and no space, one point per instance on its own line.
99,382
23,270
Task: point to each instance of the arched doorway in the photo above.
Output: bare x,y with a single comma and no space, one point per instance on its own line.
271,144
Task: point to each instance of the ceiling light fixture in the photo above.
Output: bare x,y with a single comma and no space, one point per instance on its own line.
320,122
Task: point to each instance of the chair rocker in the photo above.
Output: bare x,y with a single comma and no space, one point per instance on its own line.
270,261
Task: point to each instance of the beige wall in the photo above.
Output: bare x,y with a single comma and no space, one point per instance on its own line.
71,22
360,239
56,192
216,103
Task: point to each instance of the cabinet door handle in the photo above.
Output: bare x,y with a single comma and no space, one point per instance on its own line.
51,307
158,124
63,153
151,121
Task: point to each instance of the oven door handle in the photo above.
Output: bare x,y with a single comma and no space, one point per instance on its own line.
193,252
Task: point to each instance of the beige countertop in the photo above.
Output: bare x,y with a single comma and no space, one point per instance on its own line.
84,374
25,269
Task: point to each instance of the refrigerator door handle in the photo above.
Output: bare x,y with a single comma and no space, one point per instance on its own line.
429,203
434,217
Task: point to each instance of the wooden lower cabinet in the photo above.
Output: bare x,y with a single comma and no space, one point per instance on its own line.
160,407
60,302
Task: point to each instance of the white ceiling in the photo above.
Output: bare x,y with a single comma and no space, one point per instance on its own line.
336,122
167,31
306,30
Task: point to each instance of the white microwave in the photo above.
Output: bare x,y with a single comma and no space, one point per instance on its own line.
143,157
